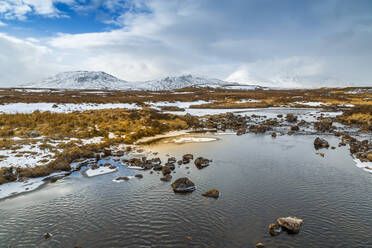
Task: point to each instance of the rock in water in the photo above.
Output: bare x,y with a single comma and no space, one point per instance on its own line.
183,185
259,245
166,170
292,224
212,193
166,178
139,175
274,229
202,162
47,235
320,143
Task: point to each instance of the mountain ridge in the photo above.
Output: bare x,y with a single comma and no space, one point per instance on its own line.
99,80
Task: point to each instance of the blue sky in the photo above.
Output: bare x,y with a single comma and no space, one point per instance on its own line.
288,43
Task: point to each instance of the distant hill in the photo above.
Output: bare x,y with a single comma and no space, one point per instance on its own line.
104,81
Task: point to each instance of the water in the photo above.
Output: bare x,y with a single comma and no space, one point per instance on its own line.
260,179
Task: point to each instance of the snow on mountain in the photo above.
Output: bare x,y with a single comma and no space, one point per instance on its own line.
104,81
178,82
82,80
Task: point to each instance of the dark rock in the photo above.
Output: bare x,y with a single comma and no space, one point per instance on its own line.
201,162
122,178
291,118
47,235
139,175
212,193
9,174
172,160
320,143
112,167
166,170
183,185
94,166
273,134
295,128
186,158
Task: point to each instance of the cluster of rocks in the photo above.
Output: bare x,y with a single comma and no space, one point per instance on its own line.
360,149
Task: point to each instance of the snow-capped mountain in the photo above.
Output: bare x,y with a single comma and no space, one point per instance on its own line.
178,82
82,80
103,81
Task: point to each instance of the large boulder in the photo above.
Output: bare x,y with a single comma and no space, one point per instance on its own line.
183,185
320,143
291,224
212,193
201,162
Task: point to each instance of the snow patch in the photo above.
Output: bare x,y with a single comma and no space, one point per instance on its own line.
27,108
100,171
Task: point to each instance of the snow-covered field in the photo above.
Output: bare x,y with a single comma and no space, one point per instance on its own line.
26,108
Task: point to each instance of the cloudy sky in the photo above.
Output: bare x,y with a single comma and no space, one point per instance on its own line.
269,42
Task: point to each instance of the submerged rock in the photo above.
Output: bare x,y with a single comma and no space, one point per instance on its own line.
274,229
320,143
47,235
291,224
212,193
122,178
183,185
166,178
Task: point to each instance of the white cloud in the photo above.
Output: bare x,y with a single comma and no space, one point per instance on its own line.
2,24
22,61
285,72
238,40
19,9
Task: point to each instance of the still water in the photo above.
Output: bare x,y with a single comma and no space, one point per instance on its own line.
260,179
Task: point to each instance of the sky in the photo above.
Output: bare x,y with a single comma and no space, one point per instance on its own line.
282,43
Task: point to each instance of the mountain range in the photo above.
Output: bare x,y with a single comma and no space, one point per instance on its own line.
99,80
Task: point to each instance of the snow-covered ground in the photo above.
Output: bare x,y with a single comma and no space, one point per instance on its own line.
100,171
312,104
26,108
193,140
366,166
16,188
156,105
26,156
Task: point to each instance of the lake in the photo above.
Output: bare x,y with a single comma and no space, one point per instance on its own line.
259,178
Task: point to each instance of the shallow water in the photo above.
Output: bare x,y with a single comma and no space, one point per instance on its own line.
259,178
